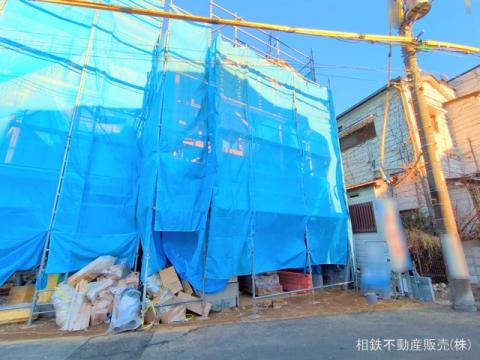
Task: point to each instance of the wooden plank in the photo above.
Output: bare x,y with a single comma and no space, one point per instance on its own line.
11,316
92,270
52,282
21,294
80,309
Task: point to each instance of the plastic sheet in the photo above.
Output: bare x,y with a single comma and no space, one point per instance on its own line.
126,311
116,272
185,251
62,298
153,284
176,178
278,180
258,198
95,288
92,270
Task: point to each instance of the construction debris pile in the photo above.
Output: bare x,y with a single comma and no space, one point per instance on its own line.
106,291
90,296
170,299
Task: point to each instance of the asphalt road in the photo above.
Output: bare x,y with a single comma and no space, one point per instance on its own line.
433,333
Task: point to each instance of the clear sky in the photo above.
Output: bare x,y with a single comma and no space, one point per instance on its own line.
357,69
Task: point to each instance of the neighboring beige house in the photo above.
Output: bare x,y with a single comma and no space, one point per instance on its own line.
454,108
463,114
464,119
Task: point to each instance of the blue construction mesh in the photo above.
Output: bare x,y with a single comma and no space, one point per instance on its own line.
63,67
176,154
278,189
220,161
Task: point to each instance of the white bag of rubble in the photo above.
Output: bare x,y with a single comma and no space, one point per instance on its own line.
126,313
62,298
153,284
117,272
92,270
101,308
95,288
131,282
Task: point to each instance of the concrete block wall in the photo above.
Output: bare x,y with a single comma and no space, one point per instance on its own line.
472,254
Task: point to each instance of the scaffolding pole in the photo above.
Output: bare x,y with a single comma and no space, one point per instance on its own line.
302,184
251,235
151,211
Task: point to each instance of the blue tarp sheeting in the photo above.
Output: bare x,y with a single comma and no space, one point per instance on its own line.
43,50
218,160
175,154
278,176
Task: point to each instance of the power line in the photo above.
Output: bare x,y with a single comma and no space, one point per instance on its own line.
373,38
60,49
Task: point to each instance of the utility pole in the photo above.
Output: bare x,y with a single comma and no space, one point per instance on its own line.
444,220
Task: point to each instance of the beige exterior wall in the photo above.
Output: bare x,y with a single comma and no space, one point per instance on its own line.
464,122
464,119
462,203
362,163
466,83
448,153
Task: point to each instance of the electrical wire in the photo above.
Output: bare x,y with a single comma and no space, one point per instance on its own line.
386,39
112,54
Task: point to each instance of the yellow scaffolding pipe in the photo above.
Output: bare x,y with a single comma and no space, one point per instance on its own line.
388,39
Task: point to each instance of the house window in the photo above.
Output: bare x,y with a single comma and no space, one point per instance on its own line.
358,136
363,218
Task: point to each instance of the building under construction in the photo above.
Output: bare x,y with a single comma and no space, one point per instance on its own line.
163,142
